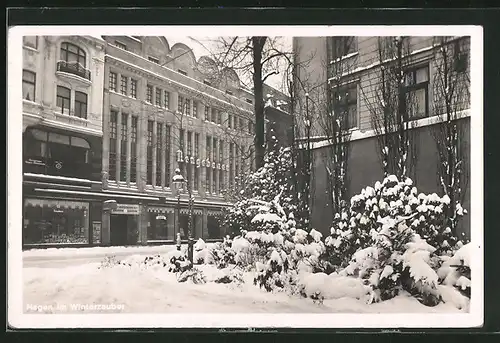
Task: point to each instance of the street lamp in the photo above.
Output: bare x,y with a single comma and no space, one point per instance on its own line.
178,181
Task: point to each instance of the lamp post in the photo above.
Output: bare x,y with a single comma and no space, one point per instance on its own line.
178,180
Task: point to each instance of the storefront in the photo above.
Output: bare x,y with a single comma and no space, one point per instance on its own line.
124,225
54,221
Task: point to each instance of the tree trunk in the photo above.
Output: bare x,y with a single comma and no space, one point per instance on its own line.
258,44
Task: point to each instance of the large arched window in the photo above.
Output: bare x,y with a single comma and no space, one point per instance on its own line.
73,54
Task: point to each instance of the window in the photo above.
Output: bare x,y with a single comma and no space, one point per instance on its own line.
149,180
346,105
221,152
113,120
196,145
149,94
209,148
214,181
123,85
120,45
230,121
221,180
123,147
460,56
242,124
190,144
195,109
63,99
187,107
112,81
133,151
250,126
208,179
342,46
159,127
219,117
180,104
214,115
229,92
81,105
207,82
31,41
182,72
415,91
73,54
249,101
154,60
29,82
166,98
207,113
214,153
158,96
237,164
231,164
133,88
168,146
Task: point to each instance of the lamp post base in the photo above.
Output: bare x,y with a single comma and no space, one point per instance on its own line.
190,249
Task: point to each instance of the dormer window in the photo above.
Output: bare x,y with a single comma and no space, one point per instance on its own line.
120,45
154,60
183,72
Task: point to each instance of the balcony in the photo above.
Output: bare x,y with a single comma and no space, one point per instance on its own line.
74,72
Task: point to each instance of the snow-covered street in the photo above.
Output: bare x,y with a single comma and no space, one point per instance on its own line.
137,289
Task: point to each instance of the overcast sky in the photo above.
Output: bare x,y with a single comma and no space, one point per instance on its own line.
203,49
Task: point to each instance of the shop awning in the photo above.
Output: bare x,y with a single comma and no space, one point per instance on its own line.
56,203
158,209
196,211
214,213
103,195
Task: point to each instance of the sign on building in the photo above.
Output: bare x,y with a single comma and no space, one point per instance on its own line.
129,209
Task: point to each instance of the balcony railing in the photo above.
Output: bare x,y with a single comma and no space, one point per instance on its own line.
73,68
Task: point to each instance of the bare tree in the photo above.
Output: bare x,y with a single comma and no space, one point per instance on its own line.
393,108
254,58
451,97
338,119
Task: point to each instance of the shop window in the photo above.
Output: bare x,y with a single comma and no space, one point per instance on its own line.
55,222
157,226
213,227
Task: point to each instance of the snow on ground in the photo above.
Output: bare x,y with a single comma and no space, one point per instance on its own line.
154,290
94,251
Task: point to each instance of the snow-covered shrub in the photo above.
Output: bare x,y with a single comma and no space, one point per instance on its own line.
193,274
320,286
275,275
231,275
455,271
108,262
307,252
390,200
178,262
221,254
202,253
255,208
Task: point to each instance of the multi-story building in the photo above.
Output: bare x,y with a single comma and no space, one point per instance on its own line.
164,110
347,72
62,86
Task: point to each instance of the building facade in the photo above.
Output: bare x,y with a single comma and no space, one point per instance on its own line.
345,72
62,136
163,110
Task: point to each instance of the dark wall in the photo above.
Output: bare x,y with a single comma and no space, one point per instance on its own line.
364,169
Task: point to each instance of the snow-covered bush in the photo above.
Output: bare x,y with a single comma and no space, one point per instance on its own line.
455,271
390,200
307,252
274,275
192,274
178,262
255,207
221,254
231,275
202,253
